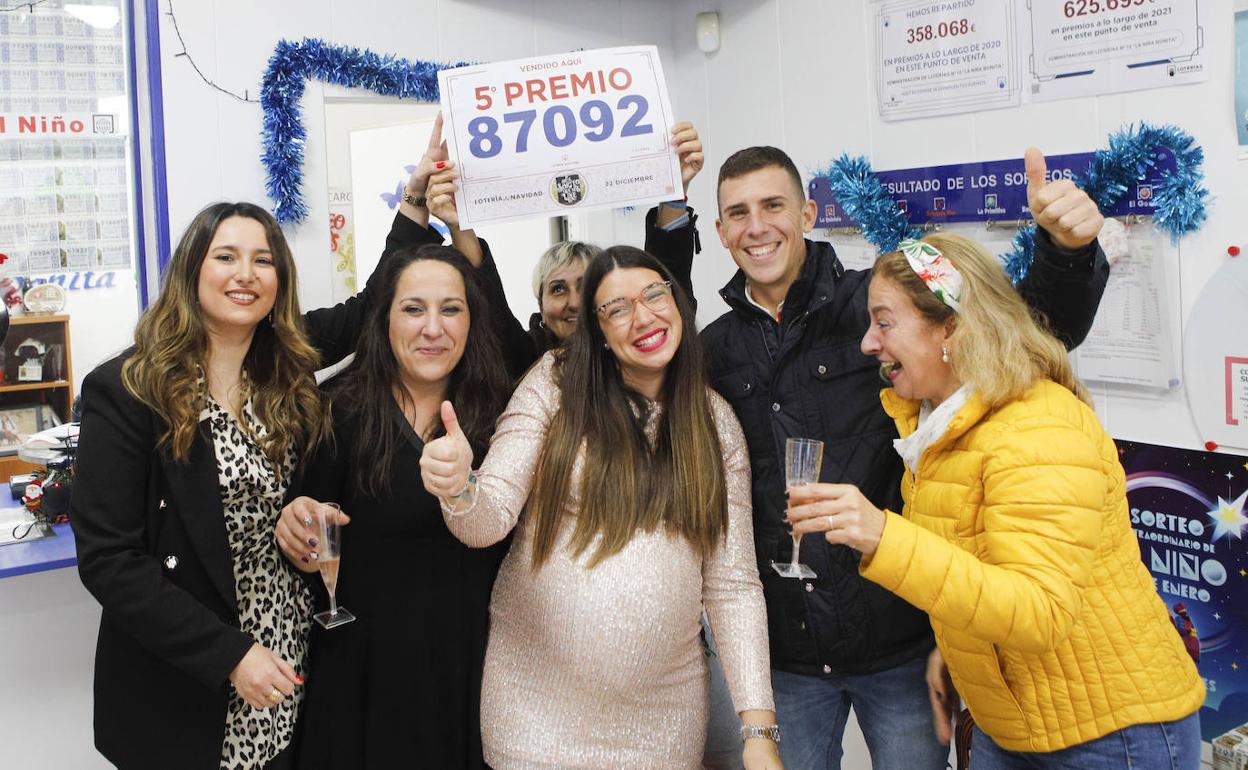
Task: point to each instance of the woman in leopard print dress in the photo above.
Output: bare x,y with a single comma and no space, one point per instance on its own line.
189,443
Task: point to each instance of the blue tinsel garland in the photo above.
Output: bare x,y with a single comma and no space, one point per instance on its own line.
294,63
1181,197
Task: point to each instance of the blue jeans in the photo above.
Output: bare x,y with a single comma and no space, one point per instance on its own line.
1156,746
893,711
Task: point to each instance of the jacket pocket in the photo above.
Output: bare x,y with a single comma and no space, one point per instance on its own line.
1013,708
741,388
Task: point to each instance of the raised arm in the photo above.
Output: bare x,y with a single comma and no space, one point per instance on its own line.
671,227
334,330
1067,277
481,508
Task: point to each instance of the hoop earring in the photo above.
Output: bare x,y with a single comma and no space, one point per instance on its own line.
944,353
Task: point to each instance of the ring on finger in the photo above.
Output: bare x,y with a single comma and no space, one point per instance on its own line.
307,520
275,695
831,523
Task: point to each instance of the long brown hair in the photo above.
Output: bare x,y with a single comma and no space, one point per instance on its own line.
478,385
628,485
996,346
171,348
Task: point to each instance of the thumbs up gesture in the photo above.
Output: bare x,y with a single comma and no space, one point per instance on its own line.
447,461
1067,213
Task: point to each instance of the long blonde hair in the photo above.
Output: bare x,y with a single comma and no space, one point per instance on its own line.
996,346
171,346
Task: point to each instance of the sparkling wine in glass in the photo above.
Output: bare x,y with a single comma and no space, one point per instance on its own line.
802,459
329,555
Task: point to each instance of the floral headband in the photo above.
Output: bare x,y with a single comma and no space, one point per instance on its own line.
937,272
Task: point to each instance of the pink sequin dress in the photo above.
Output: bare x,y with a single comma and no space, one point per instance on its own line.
603,668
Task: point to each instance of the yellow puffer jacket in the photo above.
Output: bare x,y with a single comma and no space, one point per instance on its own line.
1015,539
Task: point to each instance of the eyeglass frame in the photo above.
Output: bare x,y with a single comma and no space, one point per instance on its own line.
632,303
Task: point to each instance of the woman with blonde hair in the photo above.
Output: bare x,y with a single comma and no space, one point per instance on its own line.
1015,536
189,443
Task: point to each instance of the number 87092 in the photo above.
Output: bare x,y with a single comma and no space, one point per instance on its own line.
560,125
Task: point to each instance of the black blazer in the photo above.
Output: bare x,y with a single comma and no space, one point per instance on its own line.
152,548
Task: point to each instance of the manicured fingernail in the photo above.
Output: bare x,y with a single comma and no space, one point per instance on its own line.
298,679
441,164
312,555
312,542
304,559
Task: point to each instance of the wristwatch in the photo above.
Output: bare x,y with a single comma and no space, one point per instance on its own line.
770,732
415,200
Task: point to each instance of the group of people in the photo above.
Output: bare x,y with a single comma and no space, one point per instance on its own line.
551,534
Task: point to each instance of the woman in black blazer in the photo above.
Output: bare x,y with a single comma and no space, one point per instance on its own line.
188,443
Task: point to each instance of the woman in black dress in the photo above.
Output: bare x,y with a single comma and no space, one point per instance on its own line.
400,686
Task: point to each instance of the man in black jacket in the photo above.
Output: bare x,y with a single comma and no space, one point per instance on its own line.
787,357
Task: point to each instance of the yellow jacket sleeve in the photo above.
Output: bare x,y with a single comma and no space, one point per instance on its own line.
1014,582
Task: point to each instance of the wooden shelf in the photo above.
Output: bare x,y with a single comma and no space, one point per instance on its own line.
46,318
57,395
34,386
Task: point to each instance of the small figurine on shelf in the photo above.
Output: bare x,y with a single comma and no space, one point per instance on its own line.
33,499
47,497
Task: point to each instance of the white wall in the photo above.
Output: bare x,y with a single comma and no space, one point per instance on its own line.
794,73
212,140
797,74
47,638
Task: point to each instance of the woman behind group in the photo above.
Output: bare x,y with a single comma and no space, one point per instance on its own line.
633,480
189,441
400,686
1015,536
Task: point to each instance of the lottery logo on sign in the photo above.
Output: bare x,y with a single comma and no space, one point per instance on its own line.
568,189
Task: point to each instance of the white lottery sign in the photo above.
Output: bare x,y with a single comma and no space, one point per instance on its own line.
939,57
539,137
1089,47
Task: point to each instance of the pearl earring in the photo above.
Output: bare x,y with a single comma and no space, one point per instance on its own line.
944,354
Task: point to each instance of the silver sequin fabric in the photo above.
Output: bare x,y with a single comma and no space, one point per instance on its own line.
603,667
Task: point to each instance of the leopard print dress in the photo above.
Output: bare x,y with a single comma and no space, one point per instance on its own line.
274,606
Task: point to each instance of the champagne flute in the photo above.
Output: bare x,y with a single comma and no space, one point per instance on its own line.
328,557
802,460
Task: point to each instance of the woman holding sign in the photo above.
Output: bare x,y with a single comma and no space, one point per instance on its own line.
627,482
1014,536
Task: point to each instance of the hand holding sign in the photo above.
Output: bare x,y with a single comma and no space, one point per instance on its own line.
689,150
434,154
441,194
1067,213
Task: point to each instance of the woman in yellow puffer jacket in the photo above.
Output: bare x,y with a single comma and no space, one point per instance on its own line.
1015,537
